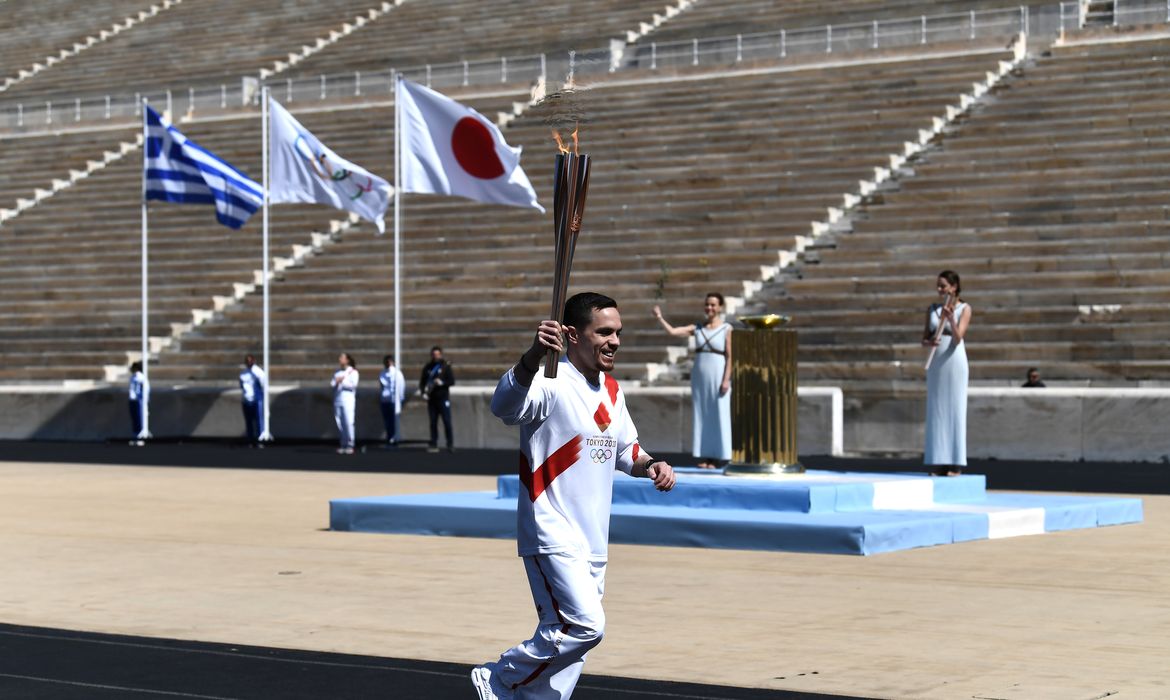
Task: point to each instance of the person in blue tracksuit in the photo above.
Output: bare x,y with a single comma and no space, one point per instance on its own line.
139,395
393,394
253,394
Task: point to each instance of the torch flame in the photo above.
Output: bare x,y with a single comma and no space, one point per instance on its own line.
562,147
560,144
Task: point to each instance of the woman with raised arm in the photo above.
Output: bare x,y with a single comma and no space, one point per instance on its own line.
946,378
710,381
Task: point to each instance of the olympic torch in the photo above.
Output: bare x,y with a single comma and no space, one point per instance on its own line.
570,186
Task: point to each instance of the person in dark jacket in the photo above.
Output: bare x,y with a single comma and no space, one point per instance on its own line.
435,386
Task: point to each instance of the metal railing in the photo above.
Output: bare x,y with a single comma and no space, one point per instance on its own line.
837,38
580,66
1079,14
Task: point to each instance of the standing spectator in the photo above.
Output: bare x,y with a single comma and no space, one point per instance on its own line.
393,393
435,385
345,381
1033,381
710,382
253,394
139,403
946,378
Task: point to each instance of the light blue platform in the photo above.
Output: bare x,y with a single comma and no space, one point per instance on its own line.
828,512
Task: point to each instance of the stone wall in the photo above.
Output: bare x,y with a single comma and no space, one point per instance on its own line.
1004,423
663,416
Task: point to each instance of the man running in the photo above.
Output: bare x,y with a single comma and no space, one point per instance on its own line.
574,433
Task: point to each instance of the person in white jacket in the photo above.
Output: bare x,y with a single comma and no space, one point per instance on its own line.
575,433
253,386
345,381
139,395
393,394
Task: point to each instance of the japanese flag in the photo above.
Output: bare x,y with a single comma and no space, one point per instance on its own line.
451,149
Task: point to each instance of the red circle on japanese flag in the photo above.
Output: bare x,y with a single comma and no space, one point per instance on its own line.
475,149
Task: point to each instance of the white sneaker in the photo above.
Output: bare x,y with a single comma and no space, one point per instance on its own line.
481,678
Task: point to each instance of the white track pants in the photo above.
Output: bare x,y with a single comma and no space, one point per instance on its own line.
343,415
567,590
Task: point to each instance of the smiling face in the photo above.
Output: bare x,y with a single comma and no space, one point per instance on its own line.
944,287
342,361
592,349
712,308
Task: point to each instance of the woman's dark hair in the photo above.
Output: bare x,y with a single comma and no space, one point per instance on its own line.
717,295
349,359
952,279
580,307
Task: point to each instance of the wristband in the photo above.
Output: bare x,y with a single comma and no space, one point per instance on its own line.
526,369
651,463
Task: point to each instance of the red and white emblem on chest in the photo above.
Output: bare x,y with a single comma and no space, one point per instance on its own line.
601,417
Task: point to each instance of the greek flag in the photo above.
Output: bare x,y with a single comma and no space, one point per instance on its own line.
180,170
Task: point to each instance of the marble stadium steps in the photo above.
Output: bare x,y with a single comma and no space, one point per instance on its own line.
1025,352
887,377
33,162
705,245
442,31
461,225
90,297
817,512
1050,206
92,293
58,26
823,334
244,37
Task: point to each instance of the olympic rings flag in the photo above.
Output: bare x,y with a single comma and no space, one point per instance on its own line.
448,148
305,170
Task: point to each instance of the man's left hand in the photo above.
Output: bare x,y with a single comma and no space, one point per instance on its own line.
662,474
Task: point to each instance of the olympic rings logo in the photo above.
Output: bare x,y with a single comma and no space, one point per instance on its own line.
600,455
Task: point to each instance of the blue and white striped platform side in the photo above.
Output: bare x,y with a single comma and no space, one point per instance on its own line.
827,512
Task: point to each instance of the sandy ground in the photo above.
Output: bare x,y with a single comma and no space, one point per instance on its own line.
244,556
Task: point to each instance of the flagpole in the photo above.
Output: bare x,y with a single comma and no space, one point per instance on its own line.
398,219
142,396
265,434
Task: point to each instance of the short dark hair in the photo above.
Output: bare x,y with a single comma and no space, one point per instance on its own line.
249,356
1031,370
386,360
717,295
436,347
135,367
952,279
580,307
